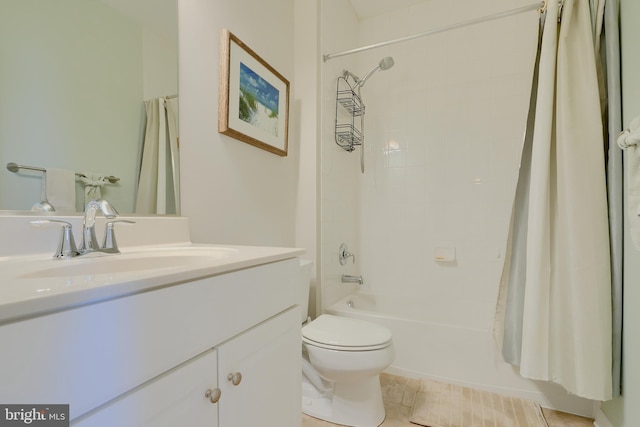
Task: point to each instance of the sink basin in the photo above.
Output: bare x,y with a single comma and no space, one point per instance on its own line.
35,284
152,259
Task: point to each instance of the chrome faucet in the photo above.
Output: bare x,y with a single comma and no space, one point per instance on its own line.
89,240
67,246
352,279
109,244
344,255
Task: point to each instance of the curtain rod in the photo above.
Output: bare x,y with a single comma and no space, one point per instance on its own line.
540,6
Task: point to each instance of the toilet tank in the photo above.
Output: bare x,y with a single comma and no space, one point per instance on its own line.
304,279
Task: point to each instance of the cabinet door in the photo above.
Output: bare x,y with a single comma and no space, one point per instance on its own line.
267,359
176,398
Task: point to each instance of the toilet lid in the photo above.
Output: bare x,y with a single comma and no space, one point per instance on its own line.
345,333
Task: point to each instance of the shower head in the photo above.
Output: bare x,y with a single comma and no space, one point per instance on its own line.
385,64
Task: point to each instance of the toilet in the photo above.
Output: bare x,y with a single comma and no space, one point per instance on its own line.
342,359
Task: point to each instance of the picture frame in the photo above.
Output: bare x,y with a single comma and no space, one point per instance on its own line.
253,104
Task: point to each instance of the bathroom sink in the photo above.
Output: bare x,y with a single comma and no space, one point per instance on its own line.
211,252
37,283
132,262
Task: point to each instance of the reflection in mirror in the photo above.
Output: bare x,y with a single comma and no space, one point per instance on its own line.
78,79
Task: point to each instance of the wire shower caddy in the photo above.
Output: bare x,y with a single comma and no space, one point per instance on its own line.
349,105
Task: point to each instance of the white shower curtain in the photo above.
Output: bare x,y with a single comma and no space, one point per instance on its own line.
554,310
159,180
610,54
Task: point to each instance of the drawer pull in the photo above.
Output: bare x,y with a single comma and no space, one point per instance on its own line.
235,378
213,395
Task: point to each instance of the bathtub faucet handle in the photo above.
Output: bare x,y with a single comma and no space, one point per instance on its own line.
344,255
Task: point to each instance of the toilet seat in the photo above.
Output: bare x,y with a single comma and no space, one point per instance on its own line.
345,334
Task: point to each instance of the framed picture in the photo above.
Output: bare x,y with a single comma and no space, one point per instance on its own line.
254,98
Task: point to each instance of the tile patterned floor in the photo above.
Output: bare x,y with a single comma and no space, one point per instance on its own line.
399,392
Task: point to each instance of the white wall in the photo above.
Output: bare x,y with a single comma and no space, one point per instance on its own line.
444,130
339,170
159,64
625,411
307,126
233,192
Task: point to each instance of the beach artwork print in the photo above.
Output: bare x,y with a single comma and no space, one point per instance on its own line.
253,103
259,101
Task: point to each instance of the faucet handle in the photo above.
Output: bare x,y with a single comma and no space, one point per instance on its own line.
344,254
109,243
67,246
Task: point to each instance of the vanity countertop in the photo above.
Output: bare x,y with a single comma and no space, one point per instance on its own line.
32,285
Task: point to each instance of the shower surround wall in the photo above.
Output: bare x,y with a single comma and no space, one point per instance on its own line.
443,134
339,170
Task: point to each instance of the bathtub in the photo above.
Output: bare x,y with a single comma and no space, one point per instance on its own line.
450,351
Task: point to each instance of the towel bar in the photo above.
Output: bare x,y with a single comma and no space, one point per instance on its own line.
14,167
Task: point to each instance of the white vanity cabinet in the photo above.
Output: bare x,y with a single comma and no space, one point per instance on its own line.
259,375
148,359
255,386
176,398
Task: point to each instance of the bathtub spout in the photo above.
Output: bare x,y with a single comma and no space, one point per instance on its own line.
352,279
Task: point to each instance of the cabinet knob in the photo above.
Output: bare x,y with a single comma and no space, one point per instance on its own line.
213,395
235,378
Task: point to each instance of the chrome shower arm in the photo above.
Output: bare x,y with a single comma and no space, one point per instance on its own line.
362,81
347,73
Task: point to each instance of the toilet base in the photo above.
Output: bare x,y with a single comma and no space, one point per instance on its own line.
351,404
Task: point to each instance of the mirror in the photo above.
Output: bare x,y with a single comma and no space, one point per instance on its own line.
74,75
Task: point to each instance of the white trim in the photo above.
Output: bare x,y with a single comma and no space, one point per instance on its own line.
601,419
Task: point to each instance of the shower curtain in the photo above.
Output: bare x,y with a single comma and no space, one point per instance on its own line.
158,183
611,59
553,316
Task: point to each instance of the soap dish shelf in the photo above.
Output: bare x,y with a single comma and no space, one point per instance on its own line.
351,102
348,136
